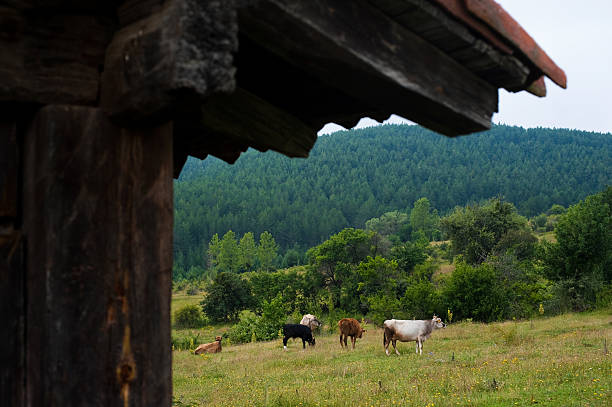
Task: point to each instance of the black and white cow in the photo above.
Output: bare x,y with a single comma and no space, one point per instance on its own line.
297,331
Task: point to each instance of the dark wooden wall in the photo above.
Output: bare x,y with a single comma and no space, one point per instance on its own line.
94,327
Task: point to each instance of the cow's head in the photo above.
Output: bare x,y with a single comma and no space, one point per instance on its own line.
218,339
361,331
437,322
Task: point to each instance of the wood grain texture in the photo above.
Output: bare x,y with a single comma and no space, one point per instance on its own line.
51,56
355,47
98,222
12,273
9,169
179,54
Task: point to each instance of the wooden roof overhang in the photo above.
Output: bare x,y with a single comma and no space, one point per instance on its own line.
269,74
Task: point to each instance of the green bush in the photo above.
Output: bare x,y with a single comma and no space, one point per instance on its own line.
272,319
189,316
383,307
252,327
475,292
604,297
421,300
243,331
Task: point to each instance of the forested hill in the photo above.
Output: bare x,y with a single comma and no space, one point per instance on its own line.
355,175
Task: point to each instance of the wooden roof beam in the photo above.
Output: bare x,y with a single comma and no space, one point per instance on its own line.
394,70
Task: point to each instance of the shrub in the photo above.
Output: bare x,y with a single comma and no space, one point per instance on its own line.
243,331
272,319
226,296
189,316
252,327
474,292
421,300
383,307
604,297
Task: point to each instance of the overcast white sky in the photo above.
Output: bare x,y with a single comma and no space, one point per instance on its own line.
578,37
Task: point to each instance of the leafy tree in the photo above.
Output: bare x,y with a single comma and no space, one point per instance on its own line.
266,251
518,242
474,292
226,297
421,300
581,259
556,209
291,258
248,252
377,275
382,307
475,230
409,254
348,247
389,223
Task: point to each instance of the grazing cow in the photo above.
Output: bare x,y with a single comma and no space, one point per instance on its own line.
350,327
297,331
311,322
213,347
409,330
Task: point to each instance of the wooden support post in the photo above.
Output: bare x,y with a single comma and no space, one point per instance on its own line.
98,224
11,272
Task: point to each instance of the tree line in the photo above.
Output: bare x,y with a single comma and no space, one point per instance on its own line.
356,175
499,269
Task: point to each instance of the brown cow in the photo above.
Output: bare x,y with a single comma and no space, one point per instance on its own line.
350,327
213,347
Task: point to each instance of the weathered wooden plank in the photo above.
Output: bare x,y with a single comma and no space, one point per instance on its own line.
12,344
12,314
181,52
51,57
433,24
98,223
393,70
9,168
262,125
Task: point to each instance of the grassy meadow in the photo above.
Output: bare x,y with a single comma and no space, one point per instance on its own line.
557,361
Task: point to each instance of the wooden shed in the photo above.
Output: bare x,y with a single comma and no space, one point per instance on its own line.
102,101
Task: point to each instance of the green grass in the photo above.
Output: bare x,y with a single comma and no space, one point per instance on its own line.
546,362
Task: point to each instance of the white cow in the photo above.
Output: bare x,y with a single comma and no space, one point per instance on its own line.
409,330
311,322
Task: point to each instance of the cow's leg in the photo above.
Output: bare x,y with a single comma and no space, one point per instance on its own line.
341,341
303,343
345,341
386,342
285,343
395,346
353,340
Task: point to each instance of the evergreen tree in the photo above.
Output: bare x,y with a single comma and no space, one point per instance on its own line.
248,252
425,220
229,255
214,248
266,251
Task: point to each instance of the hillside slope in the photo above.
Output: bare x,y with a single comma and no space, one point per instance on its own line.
355,175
